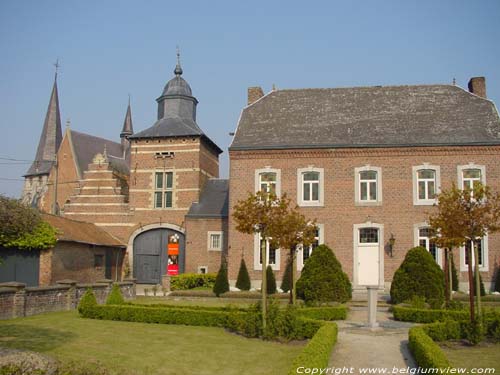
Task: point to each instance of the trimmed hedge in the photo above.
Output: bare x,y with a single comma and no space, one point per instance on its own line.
426,352
323,313
188,281
408,314
317,352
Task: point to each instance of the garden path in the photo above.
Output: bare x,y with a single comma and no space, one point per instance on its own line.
359,347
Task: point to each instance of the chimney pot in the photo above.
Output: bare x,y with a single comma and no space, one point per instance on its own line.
254,94
477,86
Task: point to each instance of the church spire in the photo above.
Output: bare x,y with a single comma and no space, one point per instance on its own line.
127,129
51,136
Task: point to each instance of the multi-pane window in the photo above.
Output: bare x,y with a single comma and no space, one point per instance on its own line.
306,252
368,186
164,183
426,181
214,240
368,235
470,178
267,182
425,240
470,250
310,187
271,252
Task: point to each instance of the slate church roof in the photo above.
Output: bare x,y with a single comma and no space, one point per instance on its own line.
213,200
392,116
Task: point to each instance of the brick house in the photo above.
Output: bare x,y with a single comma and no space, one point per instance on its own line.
367,163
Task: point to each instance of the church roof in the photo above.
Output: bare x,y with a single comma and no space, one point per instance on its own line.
50,139
86,146
213,200
392,116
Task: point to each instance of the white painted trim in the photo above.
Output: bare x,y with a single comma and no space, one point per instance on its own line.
256,255
460,171
300,186
145,228
209,244
355,231
357,190
482,268
437,184
416,242
300,250
115,224
268,170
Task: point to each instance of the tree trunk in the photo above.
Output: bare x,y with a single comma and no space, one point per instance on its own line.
476,278
263,250
291,277
294,288
447,278
471,285
450,273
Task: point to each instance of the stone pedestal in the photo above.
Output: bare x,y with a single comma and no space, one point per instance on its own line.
165,282
372,306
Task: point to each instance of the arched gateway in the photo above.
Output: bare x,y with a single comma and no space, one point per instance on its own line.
157,252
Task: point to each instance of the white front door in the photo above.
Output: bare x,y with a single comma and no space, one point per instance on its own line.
368,250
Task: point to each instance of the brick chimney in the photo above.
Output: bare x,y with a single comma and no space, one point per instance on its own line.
477,86
254,94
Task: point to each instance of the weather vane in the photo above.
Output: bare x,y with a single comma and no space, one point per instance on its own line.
57,65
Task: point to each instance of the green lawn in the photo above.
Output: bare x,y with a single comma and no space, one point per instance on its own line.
485,355
146,348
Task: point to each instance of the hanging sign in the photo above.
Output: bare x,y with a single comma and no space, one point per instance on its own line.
173,255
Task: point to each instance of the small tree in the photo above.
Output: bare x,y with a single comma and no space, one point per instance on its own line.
322,279
271,281
243,281
221,281
466,216
418,275
286,282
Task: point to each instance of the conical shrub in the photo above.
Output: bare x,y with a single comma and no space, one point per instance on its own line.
243,281
286,283
221,282
271,280
115,297
454,276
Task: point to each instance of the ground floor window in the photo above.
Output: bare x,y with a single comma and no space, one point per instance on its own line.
272,254
305,253
423,238
482,255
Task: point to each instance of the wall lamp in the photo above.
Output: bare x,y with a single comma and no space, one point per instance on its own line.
392,241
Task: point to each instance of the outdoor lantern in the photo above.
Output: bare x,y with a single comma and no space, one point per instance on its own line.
392,240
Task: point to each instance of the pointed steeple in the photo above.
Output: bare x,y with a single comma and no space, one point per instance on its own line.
127,129
50,138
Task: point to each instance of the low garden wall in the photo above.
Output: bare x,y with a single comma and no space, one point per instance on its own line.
16,300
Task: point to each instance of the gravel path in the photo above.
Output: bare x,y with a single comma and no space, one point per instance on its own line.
359,347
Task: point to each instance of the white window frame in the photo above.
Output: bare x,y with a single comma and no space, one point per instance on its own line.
300,187
437,184
416,242
256,255
268,169
482,267
357,186
300,251
462,168
212,233
202,267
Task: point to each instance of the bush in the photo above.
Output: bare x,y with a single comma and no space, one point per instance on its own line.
243,281
418,275
317,352
115,297
481,286
497,280
426,352
192,280
408,314
286,282
323,313
271,281
322,279
221,282
87,301
474,331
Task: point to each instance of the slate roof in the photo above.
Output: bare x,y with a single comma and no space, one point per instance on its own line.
79,231
213,200
50,139
87,146
392,116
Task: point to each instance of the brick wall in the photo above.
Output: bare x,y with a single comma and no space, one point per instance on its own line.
198,253
17,301
339,213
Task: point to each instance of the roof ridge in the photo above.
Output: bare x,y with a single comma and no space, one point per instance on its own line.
94,136
360,87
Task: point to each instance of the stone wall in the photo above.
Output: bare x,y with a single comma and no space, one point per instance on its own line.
17,301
